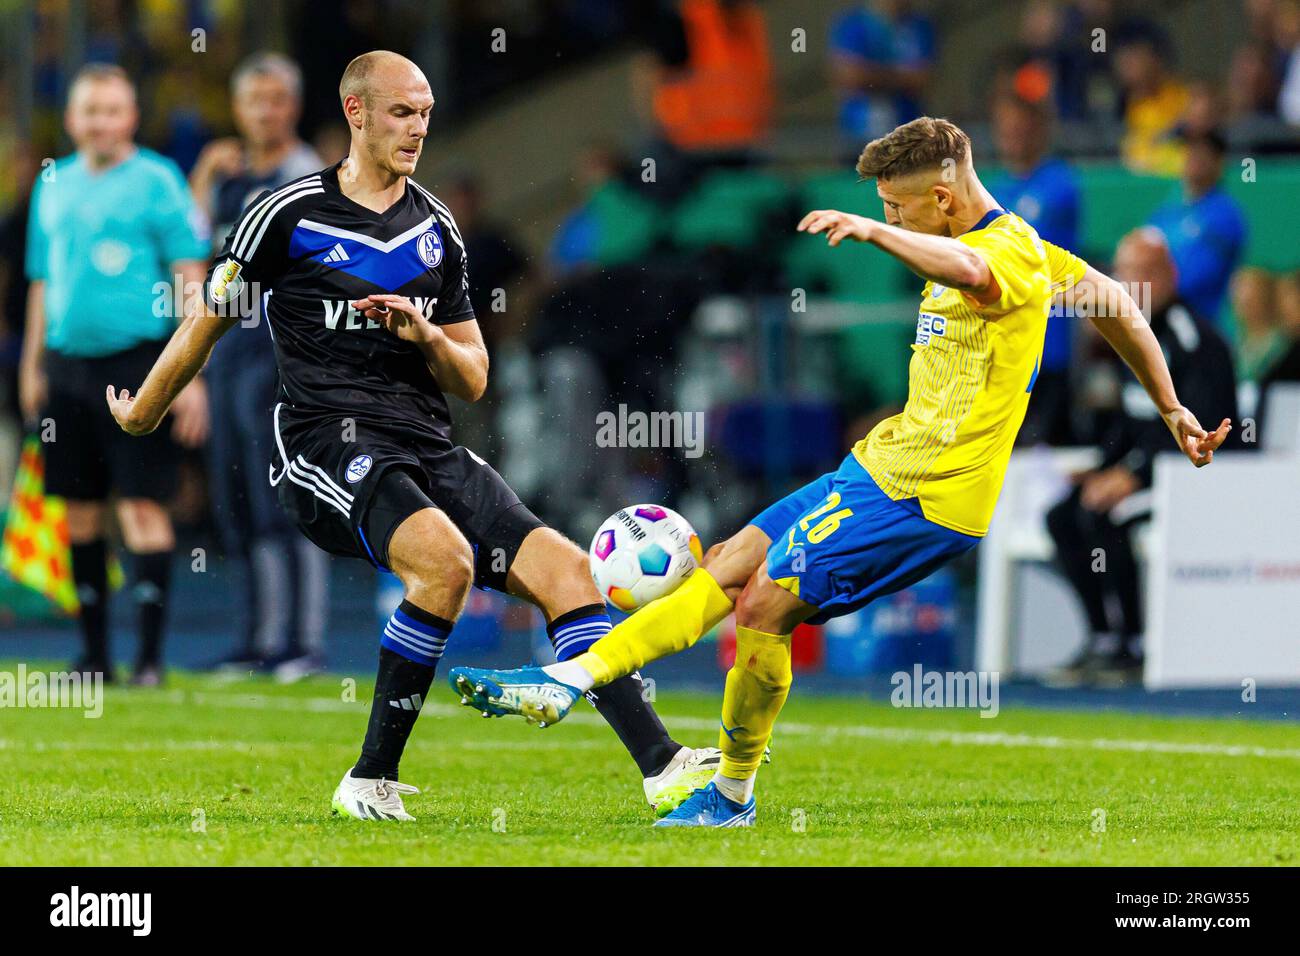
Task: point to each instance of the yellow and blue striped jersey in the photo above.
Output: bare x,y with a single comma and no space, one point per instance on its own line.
971,373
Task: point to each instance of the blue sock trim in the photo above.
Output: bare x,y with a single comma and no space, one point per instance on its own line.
414,640
574,637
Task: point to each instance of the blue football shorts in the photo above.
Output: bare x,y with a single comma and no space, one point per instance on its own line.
840,542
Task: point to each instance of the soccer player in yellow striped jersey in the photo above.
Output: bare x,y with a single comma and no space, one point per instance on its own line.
972,370
913,494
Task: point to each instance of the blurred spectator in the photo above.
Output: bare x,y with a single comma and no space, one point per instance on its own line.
709,79
1053,60
1108,502
498,264
1260,339
13,308
1205,111
1154,101
1286,366
500,290
332,142
1205,227
109,225
612,224
1286,27
1044,191
13,280
603,279
1260,18
284,576
881,57
266,97
1253,81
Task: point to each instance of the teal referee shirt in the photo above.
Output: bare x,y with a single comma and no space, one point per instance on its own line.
104,244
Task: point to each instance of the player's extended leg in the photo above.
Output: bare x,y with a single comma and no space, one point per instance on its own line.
552,572
666,626
757,686
676,621
673,623
435,564
854,546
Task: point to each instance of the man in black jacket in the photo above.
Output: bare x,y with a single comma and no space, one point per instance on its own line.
1093,526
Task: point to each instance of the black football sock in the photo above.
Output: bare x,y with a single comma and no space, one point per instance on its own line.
622,703
90,574
408,658
153,574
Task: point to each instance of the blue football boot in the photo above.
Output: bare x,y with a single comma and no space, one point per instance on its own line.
528,692
710,808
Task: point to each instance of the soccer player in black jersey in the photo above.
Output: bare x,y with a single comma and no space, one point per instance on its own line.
362,277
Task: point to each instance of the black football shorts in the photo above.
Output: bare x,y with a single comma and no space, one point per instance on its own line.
88,456
349,496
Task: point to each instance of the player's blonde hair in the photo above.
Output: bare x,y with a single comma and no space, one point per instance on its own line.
924,143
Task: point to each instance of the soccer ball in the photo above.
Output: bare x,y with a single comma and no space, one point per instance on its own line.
643,552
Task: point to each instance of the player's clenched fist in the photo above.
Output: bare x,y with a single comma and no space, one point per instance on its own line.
838,226
398,315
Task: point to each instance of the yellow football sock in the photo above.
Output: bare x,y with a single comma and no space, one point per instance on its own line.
666,626
757,686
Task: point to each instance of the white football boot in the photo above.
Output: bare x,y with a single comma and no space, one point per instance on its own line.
688,771
370,799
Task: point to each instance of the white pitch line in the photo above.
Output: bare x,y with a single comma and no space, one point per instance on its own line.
151,746
865,732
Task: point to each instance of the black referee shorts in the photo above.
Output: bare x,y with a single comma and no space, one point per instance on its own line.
348,497
90,456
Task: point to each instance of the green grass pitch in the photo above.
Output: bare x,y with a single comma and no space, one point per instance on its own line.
211,773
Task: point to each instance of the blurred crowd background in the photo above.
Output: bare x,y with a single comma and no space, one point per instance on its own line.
627,176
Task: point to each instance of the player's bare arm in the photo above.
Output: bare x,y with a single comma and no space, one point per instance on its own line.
1118,318
186,353
190,409
935,258
455,353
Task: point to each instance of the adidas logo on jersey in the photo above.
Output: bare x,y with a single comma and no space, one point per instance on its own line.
337,254
339,314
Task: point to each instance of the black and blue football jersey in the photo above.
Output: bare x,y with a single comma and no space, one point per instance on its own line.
306,251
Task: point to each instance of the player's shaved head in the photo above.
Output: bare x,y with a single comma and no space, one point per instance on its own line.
378,71
387,102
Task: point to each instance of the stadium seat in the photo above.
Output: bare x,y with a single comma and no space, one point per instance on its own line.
871,363
629,224
1114,202
730,208
1276,187
851,271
